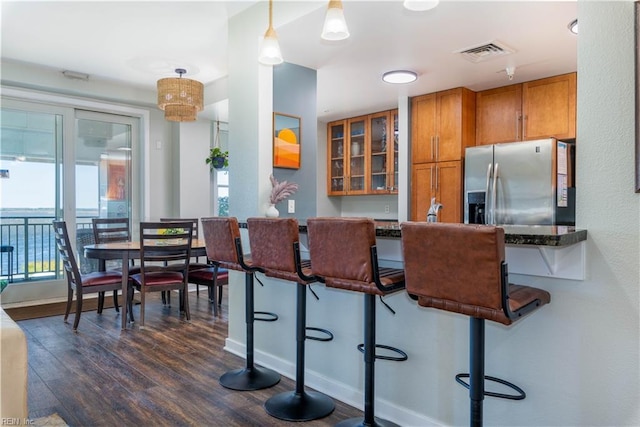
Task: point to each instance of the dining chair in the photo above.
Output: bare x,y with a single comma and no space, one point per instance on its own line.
110,230
164,262
203,274
81,284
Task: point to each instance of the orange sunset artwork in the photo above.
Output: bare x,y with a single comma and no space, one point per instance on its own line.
286,149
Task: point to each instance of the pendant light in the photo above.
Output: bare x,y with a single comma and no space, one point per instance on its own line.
420,5
335,26
181,99
270,48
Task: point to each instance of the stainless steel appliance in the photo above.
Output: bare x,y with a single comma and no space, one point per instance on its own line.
527,183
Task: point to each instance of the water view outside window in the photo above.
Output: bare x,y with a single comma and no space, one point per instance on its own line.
36,168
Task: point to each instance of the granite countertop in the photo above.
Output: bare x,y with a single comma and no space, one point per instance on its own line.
537,235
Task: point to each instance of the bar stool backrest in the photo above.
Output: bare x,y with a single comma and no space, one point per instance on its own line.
456,267
341,247
220,235
272,241
342,252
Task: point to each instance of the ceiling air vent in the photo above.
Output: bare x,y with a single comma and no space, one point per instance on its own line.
485,51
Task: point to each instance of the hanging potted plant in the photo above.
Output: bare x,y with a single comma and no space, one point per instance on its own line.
217,158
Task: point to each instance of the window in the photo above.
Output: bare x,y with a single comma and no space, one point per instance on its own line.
60,163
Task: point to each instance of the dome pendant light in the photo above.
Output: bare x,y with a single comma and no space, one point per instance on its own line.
270,48
335,26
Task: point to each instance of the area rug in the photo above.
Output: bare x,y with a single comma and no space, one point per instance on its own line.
51,420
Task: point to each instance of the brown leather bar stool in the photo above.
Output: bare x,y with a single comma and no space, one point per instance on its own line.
344,256
224,249
275,248
461,268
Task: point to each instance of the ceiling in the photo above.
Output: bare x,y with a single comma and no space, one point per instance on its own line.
130,42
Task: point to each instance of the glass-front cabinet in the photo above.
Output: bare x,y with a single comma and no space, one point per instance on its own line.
358,149
337,156
363,155
383,153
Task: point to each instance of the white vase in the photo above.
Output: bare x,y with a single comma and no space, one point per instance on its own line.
272,212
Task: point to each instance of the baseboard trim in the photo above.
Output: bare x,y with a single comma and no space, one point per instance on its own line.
337,390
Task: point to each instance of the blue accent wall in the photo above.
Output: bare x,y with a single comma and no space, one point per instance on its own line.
294,93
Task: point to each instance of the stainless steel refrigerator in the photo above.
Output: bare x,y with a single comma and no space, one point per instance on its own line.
526,183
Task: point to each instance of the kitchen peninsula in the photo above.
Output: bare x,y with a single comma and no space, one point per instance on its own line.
537,250
435,341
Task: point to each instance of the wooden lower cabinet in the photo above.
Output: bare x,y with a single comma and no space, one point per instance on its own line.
442,180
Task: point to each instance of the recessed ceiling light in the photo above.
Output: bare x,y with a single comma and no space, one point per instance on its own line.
573,26
399,76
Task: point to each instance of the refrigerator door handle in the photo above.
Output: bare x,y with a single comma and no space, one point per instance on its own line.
487,196
494,200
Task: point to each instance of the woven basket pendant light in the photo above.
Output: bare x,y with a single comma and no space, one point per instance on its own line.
181,99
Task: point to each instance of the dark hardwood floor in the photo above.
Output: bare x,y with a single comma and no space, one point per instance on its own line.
165,374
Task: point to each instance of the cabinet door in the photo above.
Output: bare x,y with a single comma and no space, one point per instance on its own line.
336,155
448,190
378,153
549,107
449,115
442,180
422,190
356,148
392,160
423,128
498,115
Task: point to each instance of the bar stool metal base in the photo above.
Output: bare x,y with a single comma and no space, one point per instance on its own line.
250,377
357,422
247,379
306,406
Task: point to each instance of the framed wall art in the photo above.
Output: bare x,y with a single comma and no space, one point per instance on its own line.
286,141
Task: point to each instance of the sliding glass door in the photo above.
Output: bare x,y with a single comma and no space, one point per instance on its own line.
59,162
103,173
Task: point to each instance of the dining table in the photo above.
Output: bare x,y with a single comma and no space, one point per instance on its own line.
127,251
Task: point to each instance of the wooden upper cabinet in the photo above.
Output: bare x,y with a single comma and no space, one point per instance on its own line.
549,107
336,158
498,115
442,125
362,155
538,109
423,128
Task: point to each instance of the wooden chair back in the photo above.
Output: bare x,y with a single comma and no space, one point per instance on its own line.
67,256
161,250
107,230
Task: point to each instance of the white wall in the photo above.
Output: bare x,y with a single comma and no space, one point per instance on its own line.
194,174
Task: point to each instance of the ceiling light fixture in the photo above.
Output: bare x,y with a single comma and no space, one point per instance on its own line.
573,26
399,76
270,48
335,26
420,5
180,99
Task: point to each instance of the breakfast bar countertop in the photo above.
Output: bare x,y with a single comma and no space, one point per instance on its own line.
538,235
534,235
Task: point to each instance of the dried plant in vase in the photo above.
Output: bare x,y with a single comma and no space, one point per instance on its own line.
279,192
